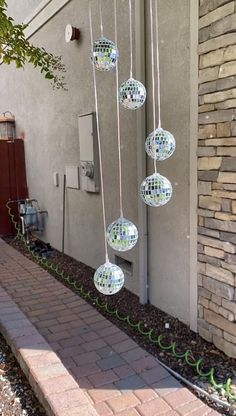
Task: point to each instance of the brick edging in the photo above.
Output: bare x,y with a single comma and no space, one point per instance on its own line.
54,387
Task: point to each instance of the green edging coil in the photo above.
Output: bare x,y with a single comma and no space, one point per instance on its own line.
190,360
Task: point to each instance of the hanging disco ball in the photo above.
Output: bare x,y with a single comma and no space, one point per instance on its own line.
104,54
156,190
132,94
122,234
160,144
109,279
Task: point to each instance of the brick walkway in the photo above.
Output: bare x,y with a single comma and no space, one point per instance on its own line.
117,376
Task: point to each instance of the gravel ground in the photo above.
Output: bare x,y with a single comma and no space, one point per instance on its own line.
152,317
16,395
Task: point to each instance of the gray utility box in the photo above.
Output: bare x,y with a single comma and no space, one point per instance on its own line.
89,156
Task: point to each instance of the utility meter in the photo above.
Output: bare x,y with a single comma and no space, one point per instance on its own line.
89,158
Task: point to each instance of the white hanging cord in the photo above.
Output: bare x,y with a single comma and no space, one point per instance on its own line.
118,117
158,68
99,138
131,39
101,20
153,76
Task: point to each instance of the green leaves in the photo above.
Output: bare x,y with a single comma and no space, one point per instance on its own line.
48,75
14,47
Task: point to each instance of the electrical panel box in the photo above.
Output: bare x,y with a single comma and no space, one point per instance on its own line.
72,177
89,157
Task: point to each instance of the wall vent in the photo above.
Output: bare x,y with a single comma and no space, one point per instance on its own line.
126,266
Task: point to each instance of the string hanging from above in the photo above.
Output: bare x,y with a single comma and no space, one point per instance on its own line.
108,278
104,53
160,144
122,234
156,190
132,94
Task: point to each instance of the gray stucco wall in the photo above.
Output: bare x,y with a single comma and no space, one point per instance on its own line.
49,120
21,11
168,226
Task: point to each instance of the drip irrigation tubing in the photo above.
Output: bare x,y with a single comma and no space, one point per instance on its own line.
196,364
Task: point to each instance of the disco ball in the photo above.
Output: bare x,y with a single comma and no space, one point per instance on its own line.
132,94
122,235
104,54
156,190
109,279
160,144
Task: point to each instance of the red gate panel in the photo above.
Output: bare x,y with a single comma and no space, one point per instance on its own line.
13,183
20,171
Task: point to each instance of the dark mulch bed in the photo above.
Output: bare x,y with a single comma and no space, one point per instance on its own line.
152,317
16,395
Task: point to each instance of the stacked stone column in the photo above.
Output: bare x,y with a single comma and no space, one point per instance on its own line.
217,174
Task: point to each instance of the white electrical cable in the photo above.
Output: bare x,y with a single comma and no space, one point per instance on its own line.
131,39
99,138
101,20
158,68
118,117
153,76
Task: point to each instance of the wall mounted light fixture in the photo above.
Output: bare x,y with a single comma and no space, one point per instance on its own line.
71,33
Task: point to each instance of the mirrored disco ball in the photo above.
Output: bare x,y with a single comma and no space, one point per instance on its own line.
132,94
122,235
109,279
104,54
160,144
156,190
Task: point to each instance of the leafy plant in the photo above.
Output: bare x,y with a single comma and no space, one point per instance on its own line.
14,47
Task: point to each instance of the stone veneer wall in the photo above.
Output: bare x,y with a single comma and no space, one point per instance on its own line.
217,174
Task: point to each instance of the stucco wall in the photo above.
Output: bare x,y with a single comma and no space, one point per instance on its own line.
19,11
49,120
169,226
216,172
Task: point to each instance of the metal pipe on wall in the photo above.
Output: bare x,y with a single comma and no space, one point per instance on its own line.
193,134
141,155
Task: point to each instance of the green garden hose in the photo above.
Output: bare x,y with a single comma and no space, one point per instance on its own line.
196,364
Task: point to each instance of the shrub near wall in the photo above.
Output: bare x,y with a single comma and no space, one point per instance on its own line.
217,174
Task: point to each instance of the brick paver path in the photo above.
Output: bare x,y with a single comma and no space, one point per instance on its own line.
118,376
